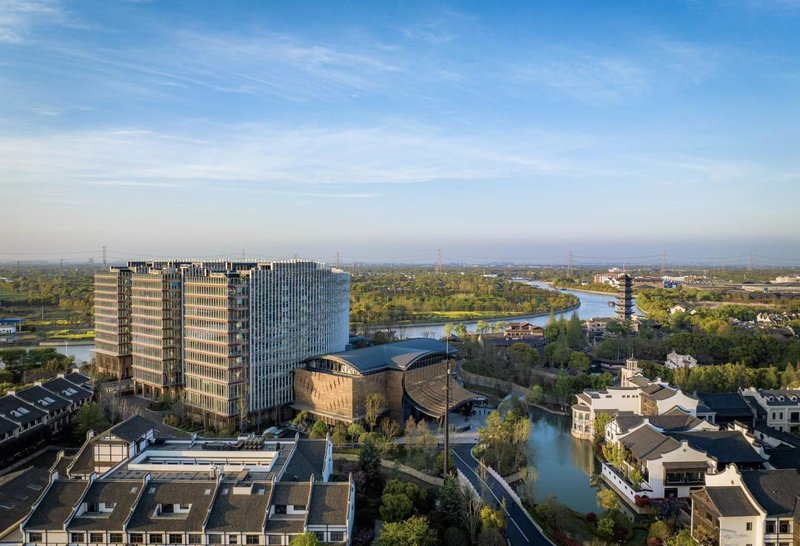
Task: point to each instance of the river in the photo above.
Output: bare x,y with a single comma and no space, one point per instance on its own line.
592,305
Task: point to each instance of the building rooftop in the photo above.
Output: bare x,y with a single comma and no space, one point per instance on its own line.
329,503
731,501
396,356
132,428
43,399
17,410
308,460
781,397
726,446
725,403
198,495
647,443
243,510
18,491
784,437
78,378
784,457
67,389
55,508
120,494
775,490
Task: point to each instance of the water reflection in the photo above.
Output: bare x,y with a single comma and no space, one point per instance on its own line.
565,466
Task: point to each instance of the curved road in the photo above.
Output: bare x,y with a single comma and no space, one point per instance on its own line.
520,530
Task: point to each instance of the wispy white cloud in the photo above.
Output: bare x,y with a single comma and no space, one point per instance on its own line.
18,17
602,76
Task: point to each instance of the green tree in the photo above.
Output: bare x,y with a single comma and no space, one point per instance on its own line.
395,507
575,333
578,361
608,500
492,519
417,495
535,395
482,326
318,430
461,330
369,462
300,419
600,421
355,431
375,406
605,526
339,435
661,530
306,539
89,417
448,329
414,531
681,538
452,499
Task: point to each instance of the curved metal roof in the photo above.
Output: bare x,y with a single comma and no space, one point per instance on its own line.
395,356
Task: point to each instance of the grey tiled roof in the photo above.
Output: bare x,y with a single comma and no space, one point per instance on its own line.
67,390
43,399
121,493
77,378
308,460
647,443
285,525
726,446
329,504
287,493
7,426
18,491
731,501
726,403
25,411
775,490
240,512
132,428
198,494
56,507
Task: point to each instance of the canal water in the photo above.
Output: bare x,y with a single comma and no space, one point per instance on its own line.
565,465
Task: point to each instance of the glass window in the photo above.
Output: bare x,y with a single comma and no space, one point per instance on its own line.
280,508
300,507
115,538
770,527
156,538
34,537
337,536
784,527
76,537
137,538
233,539
215,539
195,539
749,526
274,539
175,538
96,538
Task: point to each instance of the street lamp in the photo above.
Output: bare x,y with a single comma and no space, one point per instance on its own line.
447,406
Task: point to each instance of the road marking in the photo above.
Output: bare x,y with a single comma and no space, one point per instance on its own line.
493,494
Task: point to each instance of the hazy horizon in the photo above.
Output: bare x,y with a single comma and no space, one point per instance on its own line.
505,132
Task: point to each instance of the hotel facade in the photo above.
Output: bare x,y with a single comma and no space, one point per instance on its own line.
230,333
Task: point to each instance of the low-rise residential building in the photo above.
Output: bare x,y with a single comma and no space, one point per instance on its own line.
675,361
590,403
748,508
31,415
658,397
674,460
722,408
149,490
778,409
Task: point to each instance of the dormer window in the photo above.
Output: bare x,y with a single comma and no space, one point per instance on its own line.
172,510
280,508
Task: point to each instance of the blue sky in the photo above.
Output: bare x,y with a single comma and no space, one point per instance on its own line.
387,130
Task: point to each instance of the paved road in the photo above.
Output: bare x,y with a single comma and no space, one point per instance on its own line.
520,530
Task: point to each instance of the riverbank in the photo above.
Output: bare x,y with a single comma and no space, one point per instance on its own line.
61,343
571,289
471,321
